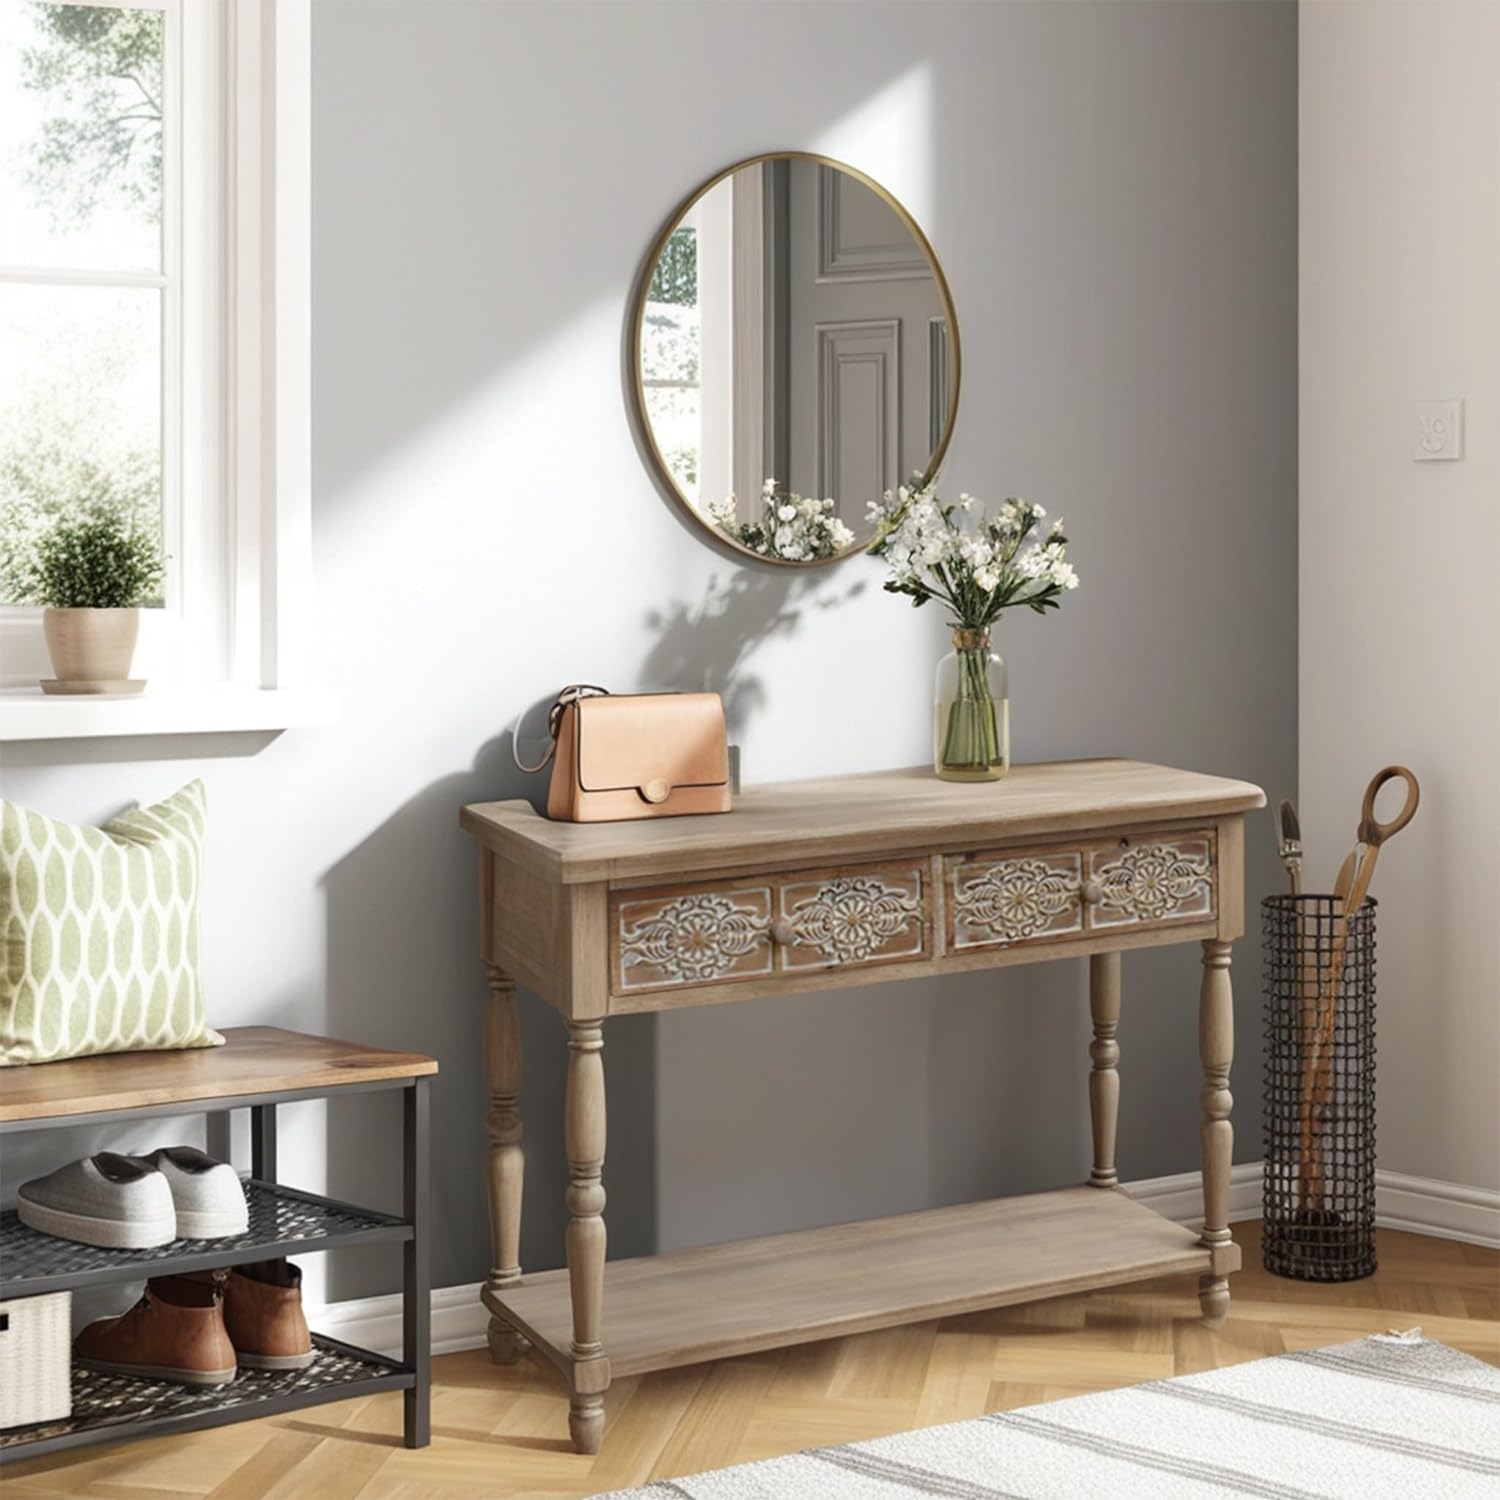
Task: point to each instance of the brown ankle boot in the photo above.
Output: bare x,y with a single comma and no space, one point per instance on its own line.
263,1313
175,1332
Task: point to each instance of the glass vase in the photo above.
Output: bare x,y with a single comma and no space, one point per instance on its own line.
971,711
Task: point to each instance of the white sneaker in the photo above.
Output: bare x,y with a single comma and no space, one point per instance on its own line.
209,1201
119,1202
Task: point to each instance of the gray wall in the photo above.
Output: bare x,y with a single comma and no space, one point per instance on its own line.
1112,190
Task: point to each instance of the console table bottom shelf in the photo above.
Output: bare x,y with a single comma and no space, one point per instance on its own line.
685,1306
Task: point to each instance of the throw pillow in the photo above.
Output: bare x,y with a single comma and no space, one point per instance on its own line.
101,932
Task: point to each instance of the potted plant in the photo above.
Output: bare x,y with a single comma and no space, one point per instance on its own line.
92,573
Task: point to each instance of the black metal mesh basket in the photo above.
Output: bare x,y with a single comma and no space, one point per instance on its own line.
1319,1195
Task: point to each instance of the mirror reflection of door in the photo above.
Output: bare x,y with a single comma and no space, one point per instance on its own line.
794,328
860,294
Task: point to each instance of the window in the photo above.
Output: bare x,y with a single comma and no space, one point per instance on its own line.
671,357
153,314
687,336
86,291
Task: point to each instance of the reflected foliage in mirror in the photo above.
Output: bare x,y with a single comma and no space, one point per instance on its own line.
795,356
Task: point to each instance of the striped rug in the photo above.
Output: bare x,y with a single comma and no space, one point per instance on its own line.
1395,1415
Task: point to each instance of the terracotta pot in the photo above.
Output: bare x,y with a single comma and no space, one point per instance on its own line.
91,645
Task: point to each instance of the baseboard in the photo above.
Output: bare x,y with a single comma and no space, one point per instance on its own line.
1180,1196
1421,1205
458,1321
1449,1210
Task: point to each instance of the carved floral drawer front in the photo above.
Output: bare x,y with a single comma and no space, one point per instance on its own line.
725,931
1004,897
865,915
1153,879
682,937
1024,896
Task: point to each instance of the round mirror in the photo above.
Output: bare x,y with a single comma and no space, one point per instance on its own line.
795,355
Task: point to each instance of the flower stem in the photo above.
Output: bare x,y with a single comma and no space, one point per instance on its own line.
971,740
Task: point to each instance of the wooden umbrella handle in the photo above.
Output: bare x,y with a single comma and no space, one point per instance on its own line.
1349,893
1315,1095
1317,1069
1371,830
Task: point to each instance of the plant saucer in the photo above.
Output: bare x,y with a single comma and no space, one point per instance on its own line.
117,687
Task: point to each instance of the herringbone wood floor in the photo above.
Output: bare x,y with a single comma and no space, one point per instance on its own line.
502,1434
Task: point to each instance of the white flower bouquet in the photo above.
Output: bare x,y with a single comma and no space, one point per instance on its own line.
997,563
978,565
791,527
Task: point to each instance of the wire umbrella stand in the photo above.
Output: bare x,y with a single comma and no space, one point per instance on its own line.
1319,1191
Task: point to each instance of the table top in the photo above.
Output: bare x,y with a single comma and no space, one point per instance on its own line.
873,812
253,1060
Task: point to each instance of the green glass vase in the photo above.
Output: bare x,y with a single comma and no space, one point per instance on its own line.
971,711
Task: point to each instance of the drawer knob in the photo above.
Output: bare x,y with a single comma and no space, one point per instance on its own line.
1092,893
782,934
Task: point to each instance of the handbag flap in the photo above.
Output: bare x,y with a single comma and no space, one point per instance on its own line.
627,742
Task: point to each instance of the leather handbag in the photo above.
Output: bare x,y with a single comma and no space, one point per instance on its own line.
636,755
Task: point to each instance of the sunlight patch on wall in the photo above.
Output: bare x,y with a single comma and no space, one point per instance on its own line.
891,137
502,442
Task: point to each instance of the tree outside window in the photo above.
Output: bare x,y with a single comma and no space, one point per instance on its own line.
84,287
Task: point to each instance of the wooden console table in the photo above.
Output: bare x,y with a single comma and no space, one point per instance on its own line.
819,885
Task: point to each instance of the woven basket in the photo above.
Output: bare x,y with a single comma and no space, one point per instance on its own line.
35,1359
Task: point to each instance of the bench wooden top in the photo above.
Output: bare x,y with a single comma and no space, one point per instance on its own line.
844,817
253,1060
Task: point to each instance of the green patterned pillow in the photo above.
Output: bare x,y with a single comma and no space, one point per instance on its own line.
101,932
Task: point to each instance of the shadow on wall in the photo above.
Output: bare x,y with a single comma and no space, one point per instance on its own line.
706,647
402,918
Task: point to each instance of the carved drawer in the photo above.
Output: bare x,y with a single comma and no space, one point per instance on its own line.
1000,898
717,932
1153,880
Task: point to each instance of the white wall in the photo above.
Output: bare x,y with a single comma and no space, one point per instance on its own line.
1111,190
1400,610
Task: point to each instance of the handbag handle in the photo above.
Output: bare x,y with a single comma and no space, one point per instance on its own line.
570,694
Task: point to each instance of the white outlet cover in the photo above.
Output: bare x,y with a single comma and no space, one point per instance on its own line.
1440,431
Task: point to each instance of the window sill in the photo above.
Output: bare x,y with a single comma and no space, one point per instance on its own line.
30,714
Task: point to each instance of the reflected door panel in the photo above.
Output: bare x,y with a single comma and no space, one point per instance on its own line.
857,444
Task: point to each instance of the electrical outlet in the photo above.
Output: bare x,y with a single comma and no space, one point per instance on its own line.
1440,430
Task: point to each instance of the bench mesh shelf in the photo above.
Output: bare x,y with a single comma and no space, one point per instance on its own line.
283,1221
102,1402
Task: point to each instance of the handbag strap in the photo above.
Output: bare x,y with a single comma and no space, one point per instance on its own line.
570,694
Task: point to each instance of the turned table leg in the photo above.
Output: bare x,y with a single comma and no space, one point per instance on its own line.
584,1133
505,1165
1216,1049
1104,1080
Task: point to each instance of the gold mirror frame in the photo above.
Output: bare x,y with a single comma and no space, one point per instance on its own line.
647,436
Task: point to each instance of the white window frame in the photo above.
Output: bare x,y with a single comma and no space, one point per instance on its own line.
714,213
236,393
